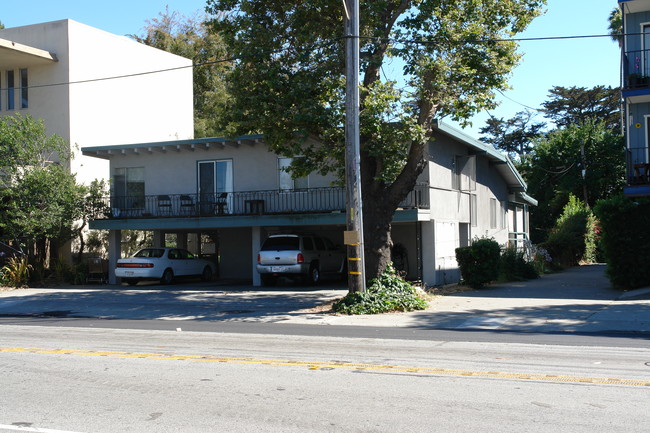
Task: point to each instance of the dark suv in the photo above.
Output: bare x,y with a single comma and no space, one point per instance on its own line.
298,256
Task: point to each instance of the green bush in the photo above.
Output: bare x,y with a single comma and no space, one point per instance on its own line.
16,272
390,292
626,240
479,263
593,245
514,267
566,241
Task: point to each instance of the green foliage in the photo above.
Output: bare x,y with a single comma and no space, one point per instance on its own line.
514,267
616,25
514,136
289,84
479,262
626,240
593,241
390,292
192,39
16,272
554,170
566,241
576,105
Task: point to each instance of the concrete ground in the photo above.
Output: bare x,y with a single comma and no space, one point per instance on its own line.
577,300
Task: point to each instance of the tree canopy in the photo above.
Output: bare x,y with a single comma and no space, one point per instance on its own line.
288,83
514,136
575,105
189,37
39,198
554,170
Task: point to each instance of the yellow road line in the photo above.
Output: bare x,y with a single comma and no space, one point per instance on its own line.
318,365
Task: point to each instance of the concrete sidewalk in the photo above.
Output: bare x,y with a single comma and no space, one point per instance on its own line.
577,300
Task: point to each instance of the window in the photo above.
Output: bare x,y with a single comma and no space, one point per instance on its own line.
11,95
24,89
463,173
128,187
285,179
493,213
473,210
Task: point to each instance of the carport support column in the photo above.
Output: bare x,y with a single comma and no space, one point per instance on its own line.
158,238
428,253
114,253
256,240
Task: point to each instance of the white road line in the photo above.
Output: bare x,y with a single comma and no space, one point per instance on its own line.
32,429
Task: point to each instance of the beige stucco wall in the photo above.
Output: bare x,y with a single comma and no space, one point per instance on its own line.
94,111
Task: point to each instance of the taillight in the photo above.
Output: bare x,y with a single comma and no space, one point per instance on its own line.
300,258
259,260
135,265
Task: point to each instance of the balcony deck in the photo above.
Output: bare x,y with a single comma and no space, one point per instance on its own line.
271,202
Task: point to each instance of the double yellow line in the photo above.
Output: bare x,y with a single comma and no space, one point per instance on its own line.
319,365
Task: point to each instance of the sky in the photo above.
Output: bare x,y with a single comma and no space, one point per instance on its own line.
576,62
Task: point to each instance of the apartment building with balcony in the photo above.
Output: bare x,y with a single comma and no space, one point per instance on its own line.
221,197
635,63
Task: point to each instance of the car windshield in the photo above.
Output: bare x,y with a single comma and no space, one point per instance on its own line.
150,252
281,244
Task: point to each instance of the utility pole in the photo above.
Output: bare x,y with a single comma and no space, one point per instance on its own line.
353,236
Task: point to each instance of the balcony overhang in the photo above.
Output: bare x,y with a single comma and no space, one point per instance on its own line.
634,6
13,53
111,151
637,96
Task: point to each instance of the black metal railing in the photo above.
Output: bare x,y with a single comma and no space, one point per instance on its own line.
312,200
638,166
636,69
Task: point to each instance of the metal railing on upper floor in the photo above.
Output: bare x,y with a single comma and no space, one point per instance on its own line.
311,200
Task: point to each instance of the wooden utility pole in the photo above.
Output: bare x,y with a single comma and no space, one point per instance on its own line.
354,215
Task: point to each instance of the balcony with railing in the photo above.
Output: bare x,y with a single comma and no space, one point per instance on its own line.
636,69
270,202
638,172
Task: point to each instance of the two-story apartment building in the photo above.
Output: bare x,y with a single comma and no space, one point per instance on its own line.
94,87
635,62
222,197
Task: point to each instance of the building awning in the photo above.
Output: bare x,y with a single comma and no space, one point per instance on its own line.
13,53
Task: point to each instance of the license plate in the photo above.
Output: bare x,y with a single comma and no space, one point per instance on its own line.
278,268
129,272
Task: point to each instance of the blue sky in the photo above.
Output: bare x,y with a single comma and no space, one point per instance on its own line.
578,62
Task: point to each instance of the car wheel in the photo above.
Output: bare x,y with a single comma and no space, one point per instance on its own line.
131,281
269,280
314,275
207,274
168,277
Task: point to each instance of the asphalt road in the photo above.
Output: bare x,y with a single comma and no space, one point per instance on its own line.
74,380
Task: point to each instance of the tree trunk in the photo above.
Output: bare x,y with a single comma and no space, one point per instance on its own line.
376,237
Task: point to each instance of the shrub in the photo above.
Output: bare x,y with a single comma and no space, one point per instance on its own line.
479,263
626,240
514,267
566,241
390,292
593,245
16,272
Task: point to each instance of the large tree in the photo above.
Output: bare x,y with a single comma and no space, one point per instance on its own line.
288,83
514,136
190,37
585,160
575,105
40,200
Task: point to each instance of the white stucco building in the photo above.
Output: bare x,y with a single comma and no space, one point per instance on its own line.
94,88
222,197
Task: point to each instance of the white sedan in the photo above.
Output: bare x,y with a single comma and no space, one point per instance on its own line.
163,264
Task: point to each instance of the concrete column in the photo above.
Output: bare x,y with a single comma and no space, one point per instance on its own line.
158,238
114,253
181,240
256,242
428,253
